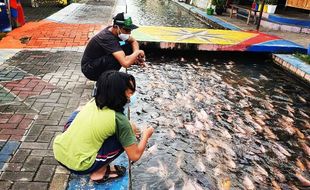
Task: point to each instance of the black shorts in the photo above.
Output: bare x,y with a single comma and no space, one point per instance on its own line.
92,69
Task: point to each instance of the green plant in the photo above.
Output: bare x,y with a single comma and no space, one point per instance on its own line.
303,57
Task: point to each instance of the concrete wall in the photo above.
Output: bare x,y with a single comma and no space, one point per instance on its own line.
202,3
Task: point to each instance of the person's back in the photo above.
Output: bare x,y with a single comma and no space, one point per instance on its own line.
104,52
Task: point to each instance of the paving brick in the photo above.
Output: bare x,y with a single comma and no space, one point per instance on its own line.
61,170
34,145
45,173
46,136
30,186
56,115
14,167
19,132
16,118
21,155
32,163
42,153
46,122
30,138
35,130
54,128
49,160
4,185
25,123
59,182
5,137
17,176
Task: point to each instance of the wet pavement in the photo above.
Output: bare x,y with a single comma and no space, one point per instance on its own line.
37,14
220,121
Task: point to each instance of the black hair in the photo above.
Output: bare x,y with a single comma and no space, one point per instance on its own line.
111,87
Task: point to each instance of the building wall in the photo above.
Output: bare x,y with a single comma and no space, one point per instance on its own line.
302,4
202,3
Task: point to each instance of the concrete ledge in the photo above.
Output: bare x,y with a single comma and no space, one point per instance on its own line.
293,65
212,20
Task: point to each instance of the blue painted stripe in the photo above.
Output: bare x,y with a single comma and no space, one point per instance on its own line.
7,151
277,46
290,21
9,148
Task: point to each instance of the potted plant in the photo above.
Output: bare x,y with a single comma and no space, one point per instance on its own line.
210,11
219,6
272,5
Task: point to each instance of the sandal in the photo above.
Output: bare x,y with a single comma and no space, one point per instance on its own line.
120,171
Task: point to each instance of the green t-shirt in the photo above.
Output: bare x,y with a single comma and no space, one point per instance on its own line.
78,146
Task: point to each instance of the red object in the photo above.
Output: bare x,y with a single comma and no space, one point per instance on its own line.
253,5
17,12
21,16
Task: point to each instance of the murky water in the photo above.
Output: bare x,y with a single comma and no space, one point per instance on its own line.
221,122
161,13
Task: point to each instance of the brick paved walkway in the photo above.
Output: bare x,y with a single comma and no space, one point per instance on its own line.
40,90
46,34
40,85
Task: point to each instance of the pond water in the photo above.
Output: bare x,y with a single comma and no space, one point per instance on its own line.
161,13
221,122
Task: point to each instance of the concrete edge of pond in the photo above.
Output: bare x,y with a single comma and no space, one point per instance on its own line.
293,65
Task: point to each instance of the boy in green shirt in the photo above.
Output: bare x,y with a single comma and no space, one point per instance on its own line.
100,132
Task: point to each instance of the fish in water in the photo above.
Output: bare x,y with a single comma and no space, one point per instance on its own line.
261,170
189,184
300,165
282,149
305,147
224,183
269,134
161,170
263,77
302,99
305,182
279,154
303,114
248,184
275,185
276,172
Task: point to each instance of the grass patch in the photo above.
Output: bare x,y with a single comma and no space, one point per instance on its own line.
303,57
2,35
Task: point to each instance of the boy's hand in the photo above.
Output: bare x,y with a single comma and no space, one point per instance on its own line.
140,61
